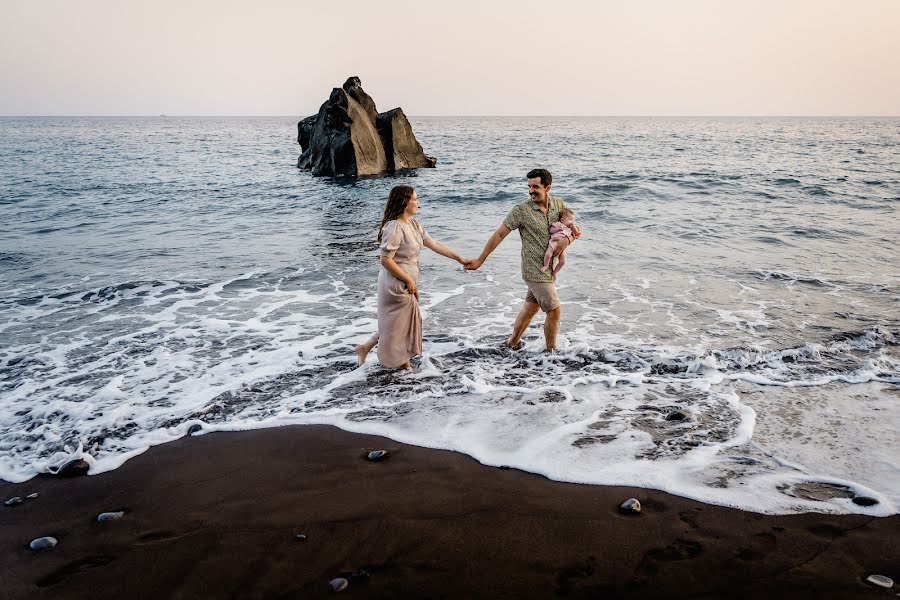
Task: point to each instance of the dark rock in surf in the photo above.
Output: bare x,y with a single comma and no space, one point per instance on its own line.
865,501
349,137
195,428
74,468
676,416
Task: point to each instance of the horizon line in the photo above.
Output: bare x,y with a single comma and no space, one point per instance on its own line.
538,116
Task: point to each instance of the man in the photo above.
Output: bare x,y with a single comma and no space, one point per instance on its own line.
533,219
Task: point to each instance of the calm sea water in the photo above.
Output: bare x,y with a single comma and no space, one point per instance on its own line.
163,272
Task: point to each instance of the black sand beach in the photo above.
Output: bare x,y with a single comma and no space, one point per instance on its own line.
217,516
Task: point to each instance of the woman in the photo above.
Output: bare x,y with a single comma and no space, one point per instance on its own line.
401,237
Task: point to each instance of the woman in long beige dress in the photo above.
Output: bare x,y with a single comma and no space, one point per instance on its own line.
401,237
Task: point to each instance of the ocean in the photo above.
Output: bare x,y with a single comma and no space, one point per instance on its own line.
731,314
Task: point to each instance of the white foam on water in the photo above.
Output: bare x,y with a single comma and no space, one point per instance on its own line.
108,373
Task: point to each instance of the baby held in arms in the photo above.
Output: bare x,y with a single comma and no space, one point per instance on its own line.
566,229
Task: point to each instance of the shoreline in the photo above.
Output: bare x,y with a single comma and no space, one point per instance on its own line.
217,515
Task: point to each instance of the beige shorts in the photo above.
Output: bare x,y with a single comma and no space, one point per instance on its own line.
543,294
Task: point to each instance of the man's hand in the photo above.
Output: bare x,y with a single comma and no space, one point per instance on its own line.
473,265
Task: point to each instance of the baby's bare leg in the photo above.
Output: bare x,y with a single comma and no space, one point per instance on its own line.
548,255
561,263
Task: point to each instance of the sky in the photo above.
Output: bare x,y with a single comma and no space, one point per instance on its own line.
466,57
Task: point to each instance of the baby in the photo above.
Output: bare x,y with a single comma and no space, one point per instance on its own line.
564,228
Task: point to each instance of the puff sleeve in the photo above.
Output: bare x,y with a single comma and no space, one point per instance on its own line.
391,238
422,232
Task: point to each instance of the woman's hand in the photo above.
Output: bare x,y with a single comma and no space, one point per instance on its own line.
412,288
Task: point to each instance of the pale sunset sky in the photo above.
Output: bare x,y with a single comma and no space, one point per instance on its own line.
481,57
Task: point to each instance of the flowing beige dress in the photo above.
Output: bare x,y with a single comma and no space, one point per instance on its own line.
399,320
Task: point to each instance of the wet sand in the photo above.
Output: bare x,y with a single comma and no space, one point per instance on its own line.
216,516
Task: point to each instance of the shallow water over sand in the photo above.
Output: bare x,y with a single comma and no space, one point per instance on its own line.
158,273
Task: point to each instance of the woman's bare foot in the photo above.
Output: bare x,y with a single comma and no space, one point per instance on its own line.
361,353
405,365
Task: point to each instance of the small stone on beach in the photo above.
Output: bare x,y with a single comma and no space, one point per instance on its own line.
300,536
42,543
376,455
881,581
110,516
13,501
339,584
632,505
865,501
32,496
194,429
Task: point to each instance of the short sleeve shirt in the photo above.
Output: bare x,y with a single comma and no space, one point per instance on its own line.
534,231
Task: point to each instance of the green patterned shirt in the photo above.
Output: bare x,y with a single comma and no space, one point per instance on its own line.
534,230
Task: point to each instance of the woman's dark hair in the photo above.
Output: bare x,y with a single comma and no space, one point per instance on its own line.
396,204
544,174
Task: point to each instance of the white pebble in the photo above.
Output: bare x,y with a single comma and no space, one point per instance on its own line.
881,581
110,516
42,543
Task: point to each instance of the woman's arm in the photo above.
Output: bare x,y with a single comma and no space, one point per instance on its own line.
394,269
436,246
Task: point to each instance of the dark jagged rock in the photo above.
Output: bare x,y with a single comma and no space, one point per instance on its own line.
349,137
195,428
400,144
676,416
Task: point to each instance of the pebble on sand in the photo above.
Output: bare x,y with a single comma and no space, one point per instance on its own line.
339,584
376,455
42,543
300,536
32,496
881,581
14,501
110,516
630,506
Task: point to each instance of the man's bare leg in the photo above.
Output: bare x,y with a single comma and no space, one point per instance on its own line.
551,326
362,351
522,321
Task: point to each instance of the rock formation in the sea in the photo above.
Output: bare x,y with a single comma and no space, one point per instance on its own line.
349,137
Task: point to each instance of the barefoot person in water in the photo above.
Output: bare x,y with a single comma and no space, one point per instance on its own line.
399,335
533,219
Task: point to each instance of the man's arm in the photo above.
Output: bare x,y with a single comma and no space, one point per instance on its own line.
489,247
